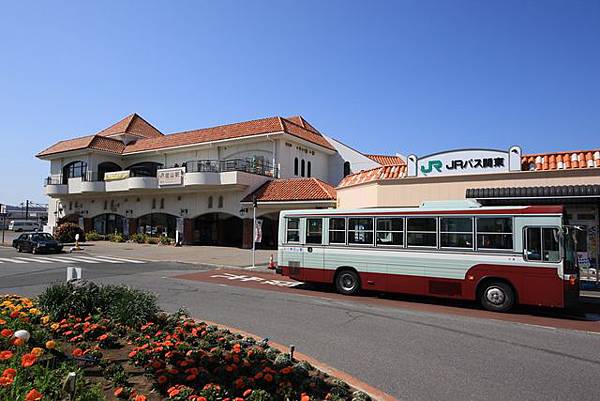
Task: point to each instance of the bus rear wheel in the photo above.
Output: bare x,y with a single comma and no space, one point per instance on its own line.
347,282
497,296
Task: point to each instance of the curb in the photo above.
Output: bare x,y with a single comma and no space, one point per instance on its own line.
373,392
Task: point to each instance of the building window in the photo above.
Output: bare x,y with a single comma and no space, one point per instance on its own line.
220,204
314,231
390,231
162,203
494,233
302,166
293,230
346,168
153,203
308,170
337,230
421,231
105,204
70,205
74,170
295,166
210,202
360,231
456,232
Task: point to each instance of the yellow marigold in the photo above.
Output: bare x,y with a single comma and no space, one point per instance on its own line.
51,344
37,351
45,319
55,326
34,311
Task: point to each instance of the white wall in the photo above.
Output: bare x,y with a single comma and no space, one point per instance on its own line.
357,160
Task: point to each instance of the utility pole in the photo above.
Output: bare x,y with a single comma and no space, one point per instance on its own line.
253,233
27,210
3,214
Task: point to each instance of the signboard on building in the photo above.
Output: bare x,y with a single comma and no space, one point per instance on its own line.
170,176
116,175
465,161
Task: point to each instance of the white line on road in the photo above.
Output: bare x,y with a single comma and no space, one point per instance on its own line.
32,259
71,259
13,260
112,258
97,260
62,259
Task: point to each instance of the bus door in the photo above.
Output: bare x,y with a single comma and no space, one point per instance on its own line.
312,255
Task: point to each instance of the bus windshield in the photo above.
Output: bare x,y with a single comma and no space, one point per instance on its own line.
568,237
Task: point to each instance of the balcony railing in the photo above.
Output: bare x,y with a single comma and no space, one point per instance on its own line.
258,167
220,166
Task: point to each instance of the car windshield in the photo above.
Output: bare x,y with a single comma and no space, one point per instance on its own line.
42,237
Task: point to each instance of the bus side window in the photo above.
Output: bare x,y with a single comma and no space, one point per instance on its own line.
337,230
314,231
293,230
542,244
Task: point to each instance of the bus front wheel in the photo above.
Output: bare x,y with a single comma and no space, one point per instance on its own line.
497,296
347,282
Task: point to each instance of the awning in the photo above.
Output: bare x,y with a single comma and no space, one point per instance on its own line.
546,194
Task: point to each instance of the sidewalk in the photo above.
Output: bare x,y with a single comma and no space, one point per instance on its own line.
211,255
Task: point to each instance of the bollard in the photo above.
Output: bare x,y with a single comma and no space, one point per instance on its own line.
73,273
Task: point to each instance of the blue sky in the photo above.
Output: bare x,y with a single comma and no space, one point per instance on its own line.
382,76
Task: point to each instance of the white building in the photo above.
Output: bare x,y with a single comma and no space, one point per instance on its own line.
130,177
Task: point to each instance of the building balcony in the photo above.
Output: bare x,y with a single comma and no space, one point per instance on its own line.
197,174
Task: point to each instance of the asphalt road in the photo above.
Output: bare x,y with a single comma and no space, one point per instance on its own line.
409,353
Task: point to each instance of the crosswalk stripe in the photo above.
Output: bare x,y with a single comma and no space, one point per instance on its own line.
98,260
13,260
61,259
32,259
108,258
80,259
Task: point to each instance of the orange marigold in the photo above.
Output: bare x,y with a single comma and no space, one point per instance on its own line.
51,344
28,360
33,395
4,355
6,381
7,333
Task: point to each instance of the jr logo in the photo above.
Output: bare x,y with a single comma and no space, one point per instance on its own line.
432,164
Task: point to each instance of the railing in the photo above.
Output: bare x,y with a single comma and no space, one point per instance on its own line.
53,180
220,166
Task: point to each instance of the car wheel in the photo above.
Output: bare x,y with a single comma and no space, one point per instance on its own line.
347,282
497,296
34,251
19,249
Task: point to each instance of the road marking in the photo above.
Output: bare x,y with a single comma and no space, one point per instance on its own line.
13,260
244,278
98,260
111,259
62,259
32,259
78,259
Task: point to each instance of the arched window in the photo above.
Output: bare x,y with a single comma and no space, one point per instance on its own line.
346,168
144,169
162,203
308,170
302,168
210,202
107,167
295,166
74,170
220,204
153,203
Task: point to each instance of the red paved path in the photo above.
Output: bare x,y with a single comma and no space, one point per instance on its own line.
534,316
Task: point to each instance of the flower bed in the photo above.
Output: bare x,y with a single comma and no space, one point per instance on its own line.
163,357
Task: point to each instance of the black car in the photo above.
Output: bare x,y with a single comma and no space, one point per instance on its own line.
37,242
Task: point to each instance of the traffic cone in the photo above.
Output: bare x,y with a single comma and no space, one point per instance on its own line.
271,262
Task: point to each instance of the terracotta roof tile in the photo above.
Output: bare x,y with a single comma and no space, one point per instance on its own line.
386,160
132,124
107,144
389,172
561,160
293,189
69,144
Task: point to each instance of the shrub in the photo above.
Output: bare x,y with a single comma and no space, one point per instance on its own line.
66,233
118,237
164,240
93,236
122,304
152,240
140,238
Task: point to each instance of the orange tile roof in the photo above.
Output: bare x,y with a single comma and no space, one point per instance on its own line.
293,189
85,142
132,124
151,138
389,172
561,160
386,160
